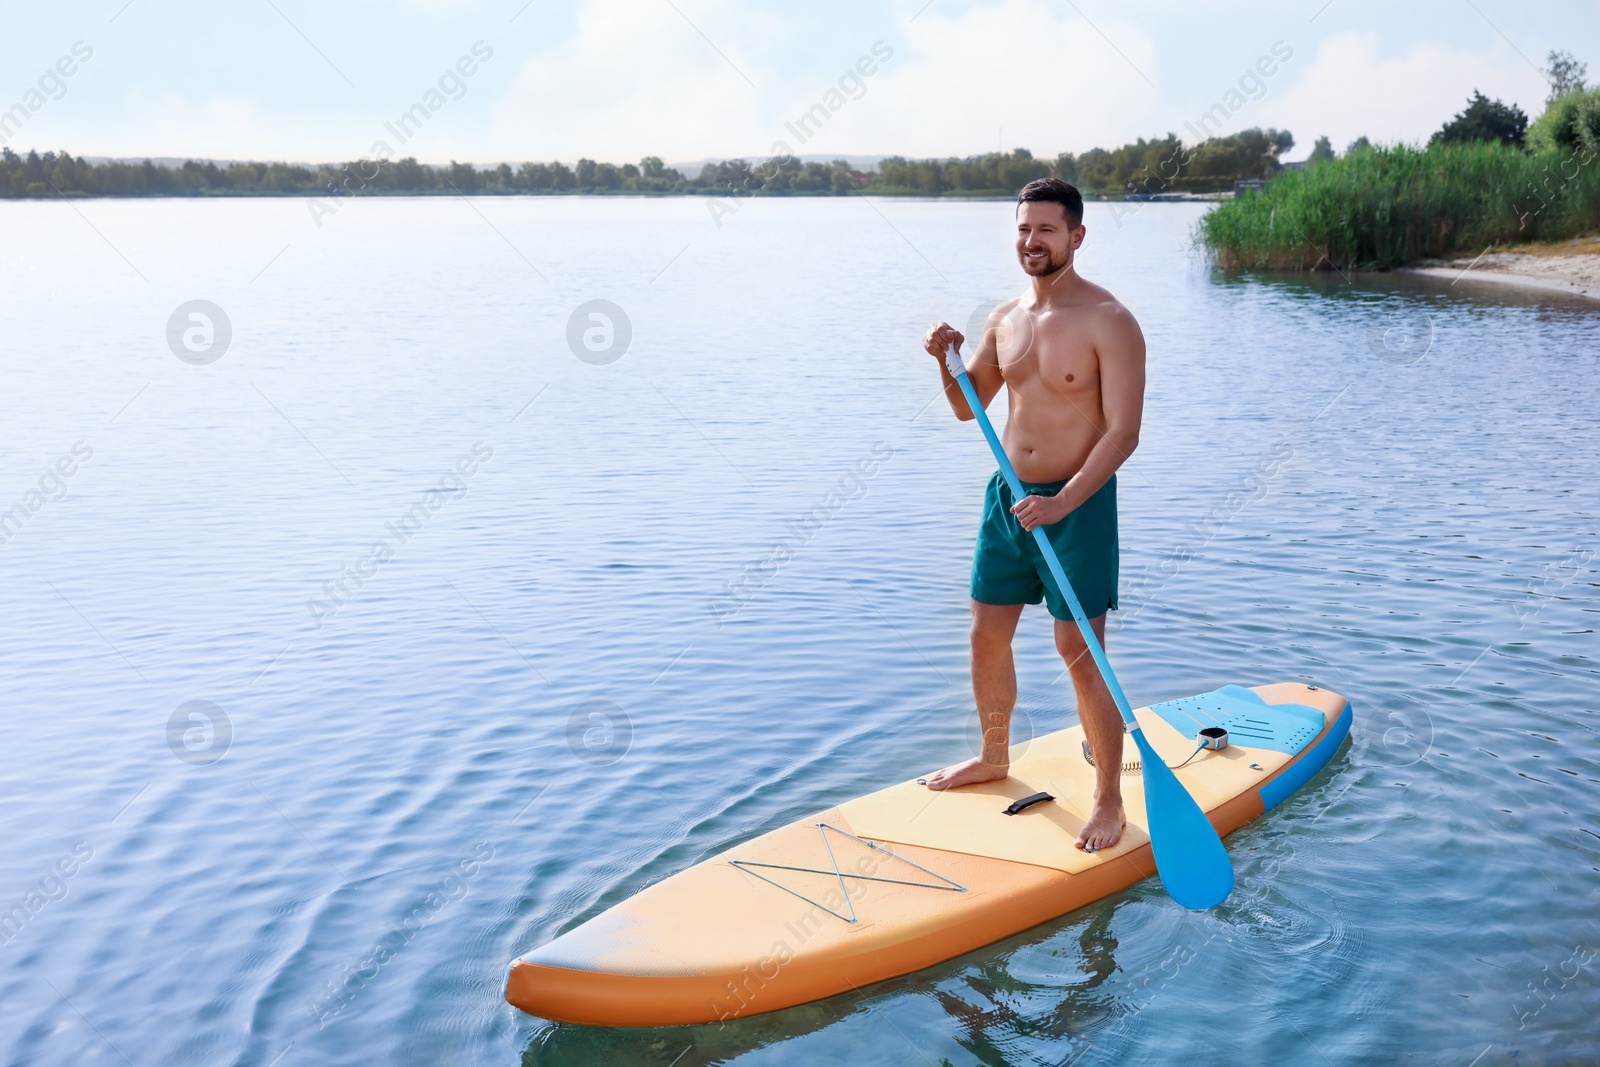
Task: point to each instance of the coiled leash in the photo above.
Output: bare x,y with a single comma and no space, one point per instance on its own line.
1212,737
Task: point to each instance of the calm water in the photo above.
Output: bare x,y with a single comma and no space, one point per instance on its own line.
537,696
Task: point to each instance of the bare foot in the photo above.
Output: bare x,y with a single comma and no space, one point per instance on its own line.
974,770
1104,827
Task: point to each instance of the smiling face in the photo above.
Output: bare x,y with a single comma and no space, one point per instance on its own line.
1046,237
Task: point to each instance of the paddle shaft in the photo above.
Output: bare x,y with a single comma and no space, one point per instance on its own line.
1050,558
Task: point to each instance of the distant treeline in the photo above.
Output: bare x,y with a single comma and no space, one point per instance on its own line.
1146,166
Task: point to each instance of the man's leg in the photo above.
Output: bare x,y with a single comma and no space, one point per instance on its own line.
994,687
1102,725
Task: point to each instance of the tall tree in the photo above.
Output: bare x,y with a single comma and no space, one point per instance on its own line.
1565,74
1485,120
1321,152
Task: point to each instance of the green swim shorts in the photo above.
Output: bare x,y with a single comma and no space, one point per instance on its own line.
1009,568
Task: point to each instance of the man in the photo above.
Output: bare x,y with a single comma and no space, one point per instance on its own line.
1072,361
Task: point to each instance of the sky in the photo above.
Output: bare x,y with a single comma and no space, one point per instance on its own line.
615,80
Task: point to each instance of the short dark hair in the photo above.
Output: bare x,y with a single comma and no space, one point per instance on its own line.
1055,191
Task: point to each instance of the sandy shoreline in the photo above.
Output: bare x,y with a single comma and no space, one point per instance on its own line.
1570,267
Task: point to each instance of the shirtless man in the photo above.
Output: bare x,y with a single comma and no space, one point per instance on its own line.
1072,361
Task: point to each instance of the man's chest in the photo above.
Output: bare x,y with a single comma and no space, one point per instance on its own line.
1063,362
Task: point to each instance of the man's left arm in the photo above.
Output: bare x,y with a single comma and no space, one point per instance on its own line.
1120,347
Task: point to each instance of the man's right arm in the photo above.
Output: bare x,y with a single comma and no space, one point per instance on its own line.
983,368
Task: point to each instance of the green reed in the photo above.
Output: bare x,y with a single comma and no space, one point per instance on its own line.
1384,207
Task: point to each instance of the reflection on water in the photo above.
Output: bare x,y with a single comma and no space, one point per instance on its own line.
1382,485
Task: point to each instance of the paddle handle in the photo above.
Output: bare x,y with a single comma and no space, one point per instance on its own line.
954,365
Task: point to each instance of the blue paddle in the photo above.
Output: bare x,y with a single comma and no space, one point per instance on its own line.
1189,855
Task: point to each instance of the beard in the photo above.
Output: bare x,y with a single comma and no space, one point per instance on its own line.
1045,267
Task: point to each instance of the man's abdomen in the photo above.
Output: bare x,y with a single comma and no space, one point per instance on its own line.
1045,447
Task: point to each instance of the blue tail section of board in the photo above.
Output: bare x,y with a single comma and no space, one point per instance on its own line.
1278,790
1248,719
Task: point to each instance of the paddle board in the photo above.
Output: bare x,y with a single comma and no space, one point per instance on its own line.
904,878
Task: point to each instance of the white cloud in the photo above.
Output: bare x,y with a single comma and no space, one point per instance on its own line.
638,79
1350,90
1017,73
216,126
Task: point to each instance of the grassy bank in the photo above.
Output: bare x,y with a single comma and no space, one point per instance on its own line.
1384,207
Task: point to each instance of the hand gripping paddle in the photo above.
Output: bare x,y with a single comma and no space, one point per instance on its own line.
1189,855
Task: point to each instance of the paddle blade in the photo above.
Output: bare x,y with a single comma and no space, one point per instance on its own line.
1189,855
